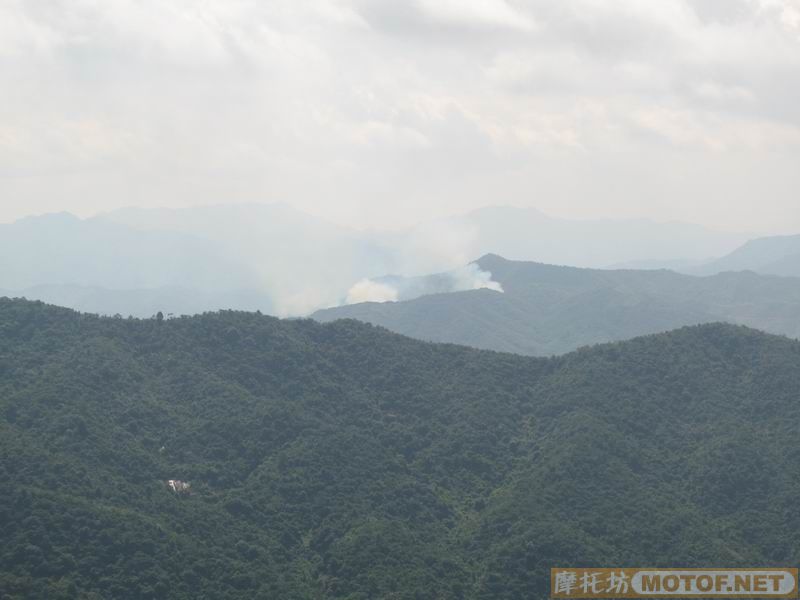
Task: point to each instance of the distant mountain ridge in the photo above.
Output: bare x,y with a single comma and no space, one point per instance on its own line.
528,234
771,255
776,255
292,263
547,309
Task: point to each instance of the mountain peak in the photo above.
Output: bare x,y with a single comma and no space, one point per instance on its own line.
489,259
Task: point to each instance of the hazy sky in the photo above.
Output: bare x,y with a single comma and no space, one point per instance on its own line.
386,112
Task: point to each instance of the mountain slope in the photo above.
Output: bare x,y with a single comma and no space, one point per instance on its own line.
342,461
547,309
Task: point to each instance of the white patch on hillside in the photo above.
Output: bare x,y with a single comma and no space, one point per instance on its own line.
470,277
367,290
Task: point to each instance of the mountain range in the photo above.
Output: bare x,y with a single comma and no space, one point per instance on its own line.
341,461
279,260
773,255
528,234
776,255
547,309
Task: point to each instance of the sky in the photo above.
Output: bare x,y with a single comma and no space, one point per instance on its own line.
385,113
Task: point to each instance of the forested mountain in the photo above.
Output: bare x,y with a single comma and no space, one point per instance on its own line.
343,461
547,309
144,302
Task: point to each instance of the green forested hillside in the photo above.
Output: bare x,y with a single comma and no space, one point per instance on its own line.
343,461
549,309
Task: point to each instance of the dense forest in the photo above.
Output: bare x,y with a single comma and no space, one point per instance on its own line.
344,461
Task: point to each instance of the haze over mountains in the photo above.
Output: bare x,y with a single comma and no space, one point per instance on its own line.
278,260
776,255
528,234
772,255
298,261
102,266
546,309
342,461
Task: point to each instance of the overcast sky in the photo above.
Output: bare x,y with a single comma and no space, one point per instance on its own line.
386,112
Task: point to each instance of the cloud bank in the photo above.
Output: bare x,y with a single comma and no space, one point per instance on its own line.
384,113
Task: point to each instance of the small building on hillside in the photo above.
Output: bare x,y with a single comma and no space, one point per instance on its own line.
178,486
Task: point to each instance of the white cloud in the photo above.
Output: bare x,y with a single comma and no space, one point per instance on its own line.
376,112
492,13
715,91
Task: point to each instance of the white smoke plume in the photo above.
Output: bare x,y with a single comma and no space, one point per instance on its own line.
392,289
368,290
472,277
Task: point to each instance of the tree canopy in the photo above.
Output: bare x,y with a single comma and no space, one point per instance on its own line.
343,461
